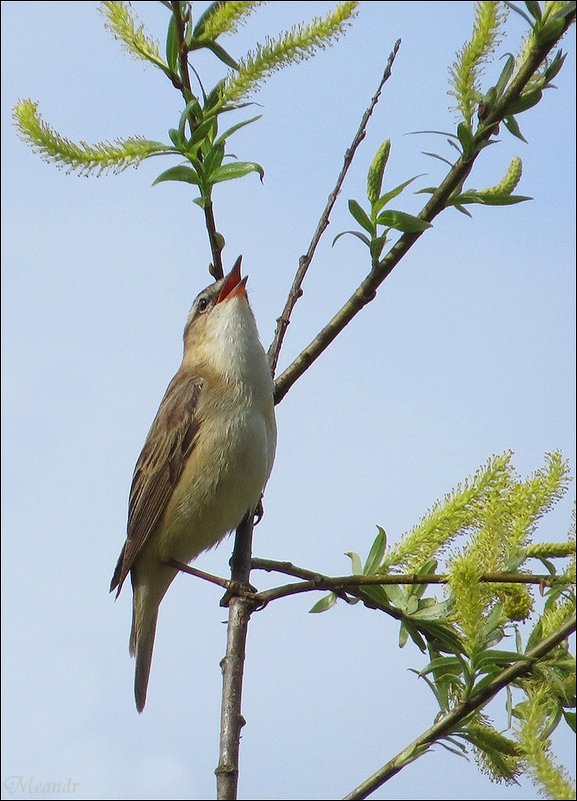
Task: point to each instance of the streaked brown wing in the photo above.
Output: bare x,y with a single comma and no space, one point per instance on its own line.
159,466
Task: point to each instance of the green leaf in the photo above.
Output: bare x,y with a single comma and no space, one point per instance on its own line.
412,605
223,137
465,136
361,217
555,66
570,718
395,594
505,75
204,17
403,222
488,199
202,134
356,565
457,751
365,239
175,138
415,636
324,604
238,169
376,594
512,126
377,553
213,160
534,9
192,106
442,635
526,17
439,691
180,173
220,53
172,45
403,636
382,201
436,156
487,659
441,664
526,101
436,611
376,246
440,133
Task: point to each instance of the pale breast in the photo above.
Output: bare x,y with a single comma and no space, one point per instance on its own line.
223,477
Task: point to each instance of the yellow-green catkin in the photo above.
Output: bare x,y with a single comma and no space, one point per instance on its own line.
80,157
550,550
377,170
508,182
226,18
466,70
297,44
123,25
464,580
517,601
536,746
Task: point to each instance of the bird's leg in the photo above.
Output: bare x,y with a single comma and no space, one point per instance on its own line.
258,512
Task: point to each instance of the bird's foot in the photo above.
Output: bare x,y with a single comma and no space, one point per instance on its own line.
237,589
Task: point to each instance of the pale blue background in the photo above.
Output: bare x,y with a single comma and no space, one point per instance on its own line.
467,351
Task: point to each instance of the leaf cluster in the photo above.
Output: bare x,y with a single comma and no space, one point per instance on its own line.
489,522
196,137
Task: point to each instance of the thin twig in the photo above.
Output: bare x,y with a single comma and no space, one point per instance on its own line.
449,722
367,290
194,571
305,261
240,608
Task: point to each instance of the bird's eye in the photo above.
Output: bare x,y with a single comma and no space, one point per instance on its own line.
203,305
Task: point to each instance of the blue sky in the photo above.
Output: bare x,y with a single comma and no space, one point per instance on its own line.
467,351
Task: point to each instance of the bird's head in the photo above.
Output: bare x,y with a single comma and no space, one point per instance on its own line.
220,323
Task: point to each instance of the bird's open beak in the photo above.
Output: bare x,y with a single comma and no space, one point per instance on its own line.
234,285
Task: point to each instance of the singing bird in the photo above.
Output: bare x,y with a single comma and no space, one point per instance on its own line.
206,459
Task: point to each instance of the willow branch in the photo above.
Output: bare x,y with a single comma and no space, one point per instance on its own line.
305,261
339,584
185,86
240,608
367,290
216,242
179,21
451,721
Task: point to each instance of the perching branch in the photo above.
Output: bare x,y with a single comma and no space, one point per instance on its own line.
449,722
305,261
240,608
340,584
367,290
317,581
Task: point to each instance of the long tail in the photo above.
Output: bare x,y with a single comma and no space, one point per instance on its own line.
144,617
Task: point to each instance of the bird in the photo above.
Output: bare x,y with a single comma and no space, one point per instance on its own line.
206,459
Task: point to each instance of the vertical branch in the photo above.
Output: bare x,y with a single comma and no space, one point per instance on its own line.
215,239
239,612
